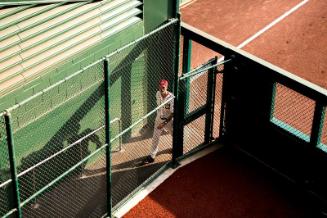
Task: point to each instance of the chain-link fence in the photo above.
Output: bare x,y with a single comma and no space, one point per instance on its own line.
129,170
59,134
60,138
194,134
135,93
200,91
217,118
6,193
293,111
195,90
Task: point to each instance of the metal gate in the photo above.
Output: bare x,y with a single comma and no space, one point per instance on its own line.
198,119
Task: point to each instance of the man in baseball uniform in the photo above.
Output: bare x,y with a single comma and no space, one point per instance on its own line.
164,119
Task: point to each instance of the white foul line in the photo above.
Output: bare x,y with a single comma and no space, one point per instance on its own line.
287,13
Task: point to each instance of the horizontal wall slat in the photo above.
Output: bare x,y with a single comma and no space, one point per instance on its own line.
50,25
11,11
43,36
34,72
33,25
32,58
25,15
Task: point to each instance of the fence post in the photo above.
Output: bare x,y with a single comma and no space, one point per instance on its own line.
227,72
317,124
107,133
210,104
178,140
187,56
12,161
177,123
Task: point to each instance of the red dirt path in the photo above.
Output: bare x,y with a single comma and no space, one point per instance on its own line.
225,185
231,21
298,43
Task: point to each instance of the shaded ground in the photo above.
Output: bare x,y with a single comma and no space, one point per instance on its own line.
226,184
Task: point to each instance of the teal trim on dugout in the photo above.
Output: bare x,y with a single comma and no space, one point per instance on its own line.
290,129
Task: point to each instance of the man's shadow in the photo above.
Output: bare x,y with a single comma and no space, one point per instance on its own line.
38,177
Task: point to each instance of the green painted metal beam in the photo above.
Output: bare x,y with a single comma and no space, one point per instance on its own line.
202,69
12,161
195,114
222,126
317,124
178,115
187,57
107,132
211,90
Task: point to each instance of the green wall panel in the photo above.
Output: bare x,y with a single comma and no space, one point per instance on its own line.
156,12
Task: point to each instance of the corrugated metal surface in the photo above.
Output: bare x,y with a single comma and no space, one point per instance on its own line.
33,2
36,38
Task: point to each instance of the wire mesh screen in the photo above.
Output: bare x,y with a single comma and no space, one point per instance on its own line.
194,134
128,169
59,133
293,112
181,47
54,131
135,72
198,91
81,193
202,96
6,199
218,102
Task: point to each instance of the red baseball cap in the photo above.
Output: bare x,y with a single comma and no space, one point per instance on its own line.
163,83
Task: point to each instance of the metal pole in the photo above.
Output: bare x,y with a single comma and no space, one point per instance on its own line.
224,93
12,161
187,56
317,124
210,103
107,132
178,126
176,9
